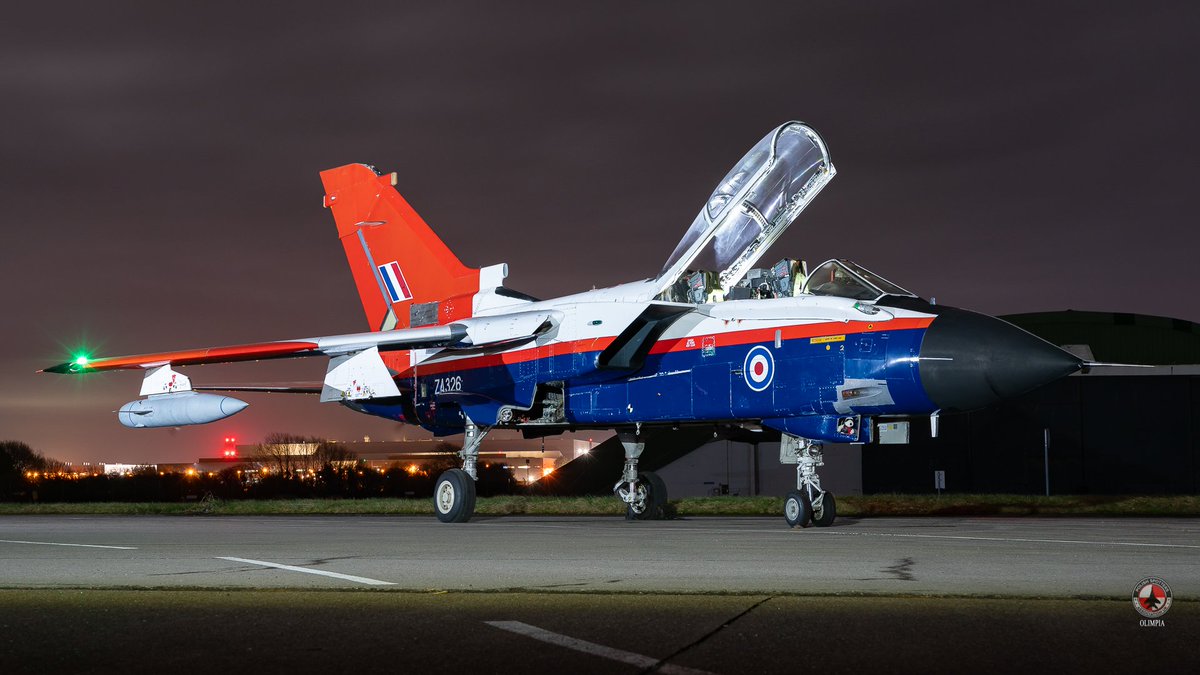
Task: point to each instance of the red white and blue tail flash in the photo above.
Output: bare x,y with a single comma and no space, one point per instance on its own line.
393,280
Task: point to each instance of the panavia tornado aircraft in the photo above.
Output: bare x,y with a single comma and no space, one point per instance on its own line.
709,340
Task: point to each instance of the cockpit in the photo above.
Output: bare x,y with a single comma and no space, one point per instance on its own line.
785,279
760,197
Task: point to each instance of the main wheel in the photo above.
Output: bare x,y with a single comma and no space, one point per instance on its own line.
454,496
651,506
797,510
823,515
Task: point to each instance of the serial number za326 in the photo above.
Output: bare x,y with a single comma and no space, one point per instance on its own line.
446,385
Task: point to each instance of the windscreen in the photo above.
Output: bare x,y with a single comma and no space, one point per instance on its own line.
874,279
846,279
832,278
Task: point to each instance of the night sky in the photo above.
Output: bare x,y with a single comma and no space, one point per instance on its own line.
158,167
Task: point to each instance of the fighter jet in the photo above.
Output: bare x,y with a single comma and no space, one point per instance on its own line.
708,340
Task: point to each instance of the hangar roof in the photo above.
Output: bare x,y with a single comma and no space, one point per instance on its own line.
1116,337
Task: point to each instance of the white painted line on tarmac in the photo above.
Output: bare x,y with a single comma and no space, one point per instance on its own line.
308,570
53,543
591,648
1012,539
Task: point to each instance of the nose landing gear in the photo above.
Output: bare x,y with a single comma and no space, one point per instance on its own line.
644,494
808,503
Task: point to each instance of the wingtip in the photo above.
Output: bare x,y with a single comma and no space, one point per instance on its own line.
68,368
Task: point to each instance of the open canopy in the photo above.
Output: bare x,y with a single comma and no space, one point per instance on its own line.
753,205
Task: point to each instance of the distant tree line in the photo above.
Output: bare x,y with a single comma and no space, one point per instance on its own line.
18,458
328,471
17,461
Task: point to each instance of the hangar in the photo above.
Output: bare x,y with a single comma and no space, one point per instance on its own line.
1107,431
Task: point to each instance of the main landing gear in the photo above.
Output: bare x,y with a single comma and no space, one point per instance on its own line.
454,493
644,494
808,503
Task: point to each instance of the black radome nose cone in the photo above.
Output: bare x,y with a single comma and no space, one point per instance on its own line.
971,360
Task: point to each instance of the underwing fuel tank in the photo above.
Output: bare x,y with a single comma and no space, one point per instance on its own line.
178,409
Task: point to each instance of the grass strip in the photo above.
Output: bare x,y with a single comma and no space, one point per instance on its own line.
849,506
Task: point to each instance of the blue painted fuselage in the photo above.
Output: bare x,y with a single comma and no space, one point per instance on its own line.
817,378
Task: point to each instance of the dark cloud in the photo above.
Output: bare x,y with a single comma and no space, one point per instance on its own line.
159,183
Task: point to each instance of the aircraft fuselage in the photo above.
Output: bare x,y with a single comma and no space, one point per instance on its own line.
803,364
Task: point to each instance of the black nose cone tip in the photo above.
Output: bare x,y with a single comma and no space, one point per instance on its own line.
971,360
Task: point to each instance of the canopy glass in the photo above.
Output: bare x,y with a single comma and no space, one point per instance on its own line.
846,279
758,199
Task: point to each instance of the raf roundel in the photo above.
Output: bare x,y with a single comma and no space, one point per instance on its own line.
759,368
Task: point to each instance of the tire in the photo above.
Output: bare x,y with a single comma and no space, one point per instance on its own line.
656,498
797,510
658,489
454,496
824,516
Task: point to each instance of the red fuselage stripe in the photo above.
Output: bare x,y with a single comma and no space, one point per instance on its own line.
688,343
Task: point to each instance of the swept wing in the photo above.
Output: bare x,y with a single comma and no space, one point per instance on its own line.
475,332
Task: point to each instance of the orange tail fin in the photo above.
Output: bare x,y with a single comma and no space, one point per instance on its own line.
405,274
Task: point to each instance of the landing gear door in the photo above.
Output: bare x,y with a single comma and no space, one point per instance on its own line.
753,205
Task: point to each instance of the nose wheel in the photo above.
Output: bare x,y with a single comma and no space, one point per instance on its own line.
823,515
808,504
797,510
647,499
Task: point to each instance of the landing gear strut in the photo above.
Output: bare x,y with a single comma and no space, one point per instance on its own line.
808,503
454,493
644,494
